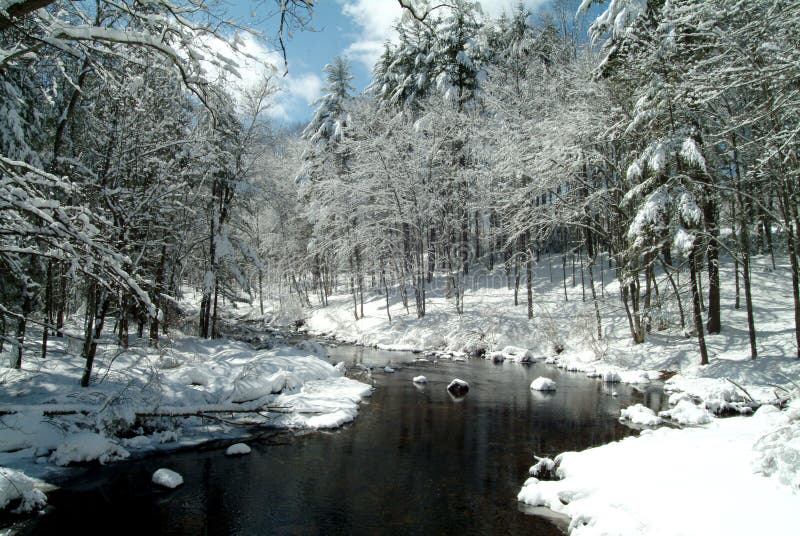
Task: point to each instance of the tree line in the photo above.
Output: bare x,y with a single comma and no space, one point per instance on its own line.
126,165
129,175
665,141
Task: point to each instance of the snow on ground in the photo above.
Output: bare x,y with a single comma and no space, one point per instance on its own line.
729,477
48,420
564,332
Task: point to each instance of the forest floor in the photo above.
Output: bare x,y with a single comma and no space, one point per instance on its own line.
144,400
736,475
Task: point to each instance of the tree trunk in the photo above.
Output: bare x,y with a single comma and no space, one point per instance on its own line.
156,298
386,293
597,317
62,302
94,328
697,312
667,271
791,243
529,273
744,246
48,307
431,254
214,332
714,323
477,236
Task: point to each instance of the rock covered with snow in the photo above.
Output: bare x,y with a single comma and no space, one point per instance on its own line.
238,449
641,415
543,469
420,379
674,398
458,387
17,486
496,357
543,384
387,369
87,446
687,413
515,353
167,478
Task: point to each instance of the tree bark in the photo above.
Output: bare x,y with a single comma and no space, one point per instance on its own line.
697,312
529,273
94,327
714,323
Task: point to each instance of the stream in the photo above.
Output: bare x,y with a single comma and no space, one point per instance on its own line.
415,461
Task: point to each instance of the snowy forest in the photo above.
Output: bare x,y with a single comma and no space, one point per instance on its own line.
610,187
667,139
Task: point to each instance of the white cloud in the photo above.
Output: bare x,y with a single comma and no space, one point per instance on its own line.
306,87
251,63
374,20
295,94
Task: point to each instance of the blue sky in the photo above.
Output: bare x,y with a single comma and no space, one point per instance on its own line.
355,29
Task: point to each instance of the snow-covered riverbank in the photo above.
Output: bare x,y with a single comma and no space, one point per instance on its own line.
735,476
747,467
143,400
492,322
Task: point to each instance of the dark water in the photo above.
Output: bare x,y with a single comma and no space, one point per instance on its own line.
416,461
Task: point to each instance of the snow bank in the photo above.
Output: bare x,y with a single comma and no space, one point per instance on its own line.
17,486
283,387
686,413
641,415
86,447
543,384
321,404
167,478
700,473
238,449
778,452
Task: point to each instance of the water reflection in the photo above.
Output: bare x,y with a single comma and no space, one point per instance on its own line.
416,461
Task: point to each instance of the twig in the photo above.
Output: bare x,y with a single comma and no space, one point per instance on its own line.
788,379
743,390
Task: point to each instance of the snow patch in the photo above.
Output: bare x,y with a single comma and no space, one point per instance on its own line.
87,446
